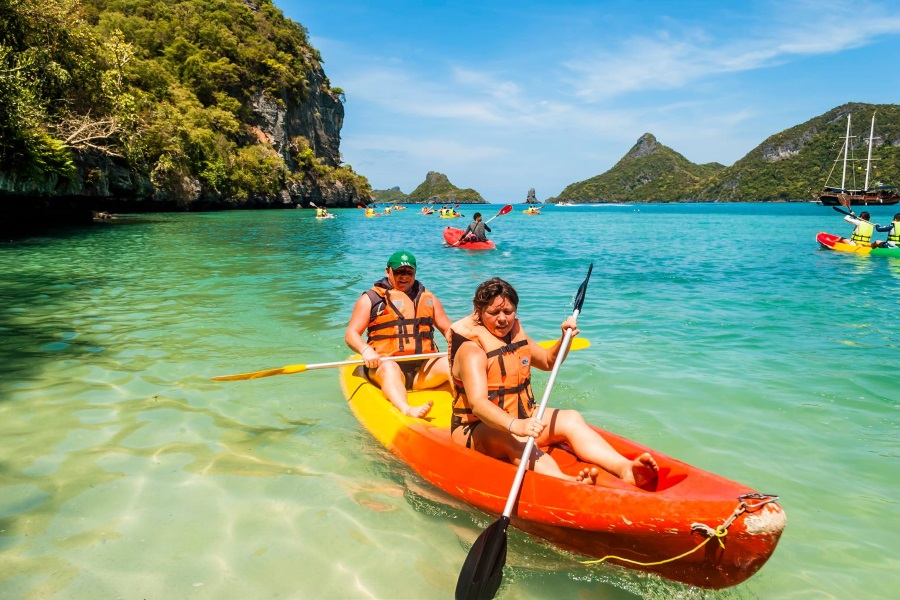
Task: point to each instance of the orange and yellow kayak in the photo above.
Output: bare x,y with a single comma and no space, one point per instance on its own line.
833,242
673,517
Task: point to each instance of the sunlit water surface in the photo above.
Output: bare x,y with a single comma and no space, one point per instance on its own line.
721,335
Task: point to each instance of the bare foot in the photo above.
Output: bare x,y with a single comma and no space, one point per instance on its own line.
419,412
641,470
588,476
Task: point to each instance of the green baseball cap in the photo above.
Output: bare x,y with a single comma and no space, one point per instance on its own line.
401,258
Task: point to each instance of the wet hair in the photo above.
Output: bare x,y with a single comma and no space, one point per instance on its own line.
491,289
897,217
476,215
865,215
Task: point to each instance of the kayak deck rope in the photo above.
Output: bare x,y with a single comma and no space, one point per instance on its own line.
718,533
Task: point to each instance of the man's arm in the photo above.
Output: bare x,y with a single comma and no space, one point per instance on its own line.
441,320
359,320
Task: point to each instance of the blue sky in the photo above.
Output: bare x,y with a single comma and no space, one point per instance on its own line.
505,96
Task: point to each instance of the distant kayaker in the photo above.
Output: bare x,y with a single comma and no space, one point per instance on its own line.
862,229
475,230
399,317
493,411
893,231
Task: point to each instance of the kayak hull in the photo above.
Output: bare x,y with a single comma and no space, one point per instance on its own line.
611,518
452,235
833,242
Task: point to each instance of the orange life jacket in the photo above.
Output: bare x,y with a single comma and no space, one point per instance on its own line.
508,370
399,324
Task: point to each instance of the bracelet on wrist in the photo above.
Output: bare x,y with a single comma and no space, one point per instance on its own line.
509,427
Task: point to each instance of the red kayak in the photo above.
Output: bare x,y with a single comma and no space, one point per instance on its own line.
688,525
452,235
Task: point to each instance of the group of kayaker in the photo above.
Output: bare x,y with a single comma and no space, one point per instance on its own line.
863,229
489,366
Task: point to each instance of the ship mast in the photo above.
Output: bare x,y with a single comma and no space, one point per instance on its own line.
869,159
846,148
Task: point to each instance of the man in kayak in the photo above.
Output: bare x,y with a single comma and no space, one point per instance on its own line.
893,231
475,230
862,229
494,409
399,317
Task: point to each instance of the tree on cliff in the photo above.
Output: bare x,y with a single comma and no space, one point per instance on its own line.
184,93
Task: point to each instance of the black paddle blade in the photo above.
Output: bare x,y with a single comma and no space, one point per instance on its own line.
483,570
582,289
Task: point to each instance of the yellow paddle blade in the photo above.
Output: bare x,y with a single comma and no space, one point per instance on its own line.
289,369
577,343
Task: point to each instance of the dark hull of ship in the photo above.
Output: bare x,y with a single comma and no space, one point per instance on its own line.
880,198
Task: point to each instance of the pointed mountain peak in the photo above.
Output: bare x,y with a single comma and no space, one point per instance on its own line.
645,145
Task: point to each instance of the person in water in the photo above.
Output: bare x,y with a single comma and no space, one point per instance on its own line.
893,231
862,229
399,317
494,410
475,230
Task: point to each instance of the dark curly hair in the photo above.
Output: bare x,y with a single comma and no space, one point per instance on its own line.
491,289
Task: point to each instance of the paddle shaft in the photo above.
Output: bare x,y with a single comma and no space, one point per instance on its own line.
529,445
850,214
291,369
578,344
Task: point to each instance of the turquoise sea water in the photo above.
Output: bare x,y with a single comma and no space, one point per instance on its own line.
721,335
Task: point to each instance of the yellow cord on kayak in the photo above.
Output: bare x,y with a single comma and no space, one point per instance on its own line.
718,533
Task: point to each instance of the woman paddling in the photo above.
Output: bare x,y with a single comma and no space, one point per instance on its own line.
490,364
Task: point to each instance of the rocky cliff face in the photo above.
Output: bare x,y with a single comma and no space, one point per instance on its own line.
319,119
104,182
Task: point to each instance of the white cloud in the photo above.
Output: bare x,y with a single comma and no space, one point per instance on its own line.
670,60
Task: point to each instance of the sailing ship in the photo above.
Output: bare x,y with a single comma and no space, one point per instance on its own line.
877,194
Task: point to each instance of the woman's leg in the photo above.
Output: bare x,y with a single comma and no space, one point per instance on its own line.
502,445
569,426
433,373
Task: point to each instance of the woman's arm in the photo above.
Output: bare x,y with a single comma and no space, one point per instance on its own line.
472,364
544,358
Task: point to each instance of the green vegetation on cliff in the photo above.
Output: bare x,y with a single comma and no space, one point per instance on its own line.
172,88
786,166
649,172
391,196
437,189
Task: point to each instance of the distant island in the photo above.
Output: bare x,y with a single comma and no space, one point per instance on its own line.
436,189
786,167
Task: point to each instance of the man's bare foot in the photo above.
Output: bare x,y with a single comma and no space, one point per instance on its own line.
418,412
641,470
588,476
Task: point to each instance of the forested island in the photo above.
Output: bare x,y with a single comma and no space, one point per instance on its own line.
435,189
785,167
197,103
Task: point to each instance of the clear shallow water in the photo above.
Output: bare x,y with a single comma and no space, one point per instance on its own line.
721,336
